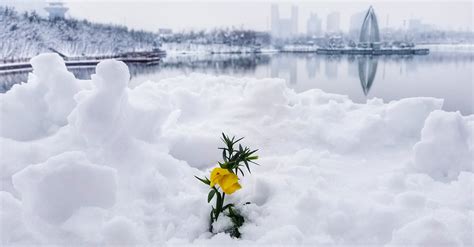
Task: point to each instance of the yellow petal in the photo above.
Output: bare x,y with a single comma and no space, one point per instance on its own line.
217,174
228,180
232,189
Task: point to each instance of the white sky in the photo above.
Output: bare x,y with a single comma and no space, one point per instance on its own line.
184,15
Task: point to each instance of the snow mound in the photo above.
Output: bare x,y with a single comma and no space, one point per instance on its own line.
424,232
46,100
11,220
98,163
445,148
54,190
103,107
121,231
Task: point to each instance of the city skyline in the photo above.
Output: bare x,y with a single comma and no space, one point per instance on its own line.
257,16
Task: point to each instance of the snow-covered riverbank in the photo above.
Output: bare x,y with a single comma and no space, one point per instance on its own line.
94,162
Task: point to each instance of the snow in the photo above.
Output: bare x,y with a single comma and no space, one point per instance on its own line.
54,190
25,35
444,149
94,162
222,224
48,97
429,232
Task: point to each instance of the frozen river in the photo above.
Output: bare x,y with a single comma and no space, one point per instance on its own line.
445,73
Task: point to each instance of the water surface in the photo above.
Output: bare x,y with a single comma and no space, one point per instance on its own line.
444,73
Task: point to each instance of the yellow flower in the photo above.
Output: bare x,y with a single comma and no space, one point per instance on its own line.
228,181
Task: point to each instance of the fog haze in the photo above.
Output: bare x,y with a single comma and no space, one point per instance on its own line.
150,15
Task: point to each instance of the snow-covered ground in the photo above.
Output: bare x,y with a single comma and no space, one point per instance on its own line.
95,162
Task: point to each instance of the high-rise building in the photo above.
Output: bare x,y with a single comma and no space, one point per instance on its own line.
313,25
417,25
56,10
356,23
414,24
284,27
333,22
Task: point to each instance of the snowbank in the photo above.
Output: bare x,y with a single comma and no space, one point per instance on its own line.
45,101
95,162
55,189
445,148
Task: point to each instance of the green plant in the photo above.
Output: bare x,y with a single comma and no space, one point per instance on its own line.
235,158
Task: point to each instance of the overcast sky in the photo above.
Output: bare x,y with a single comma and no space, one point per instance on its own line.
183,15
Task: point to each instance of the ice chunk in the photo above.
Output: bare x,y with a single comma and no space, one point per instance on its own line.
55,189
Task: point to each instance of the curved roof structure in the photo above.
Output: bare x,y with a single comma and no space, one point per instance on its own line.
369,32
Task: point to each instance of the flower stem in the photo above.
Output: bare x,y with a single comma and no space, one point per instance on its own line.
219,203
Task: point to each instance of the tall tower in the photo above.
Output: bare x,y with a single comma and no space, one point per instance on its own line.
356,23
294,20
313,25
369,32
56,10
333,22
275,21
284,27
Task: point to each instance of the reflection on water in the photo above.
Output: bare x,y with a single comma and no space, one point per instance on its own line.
216,64
446,75
367,70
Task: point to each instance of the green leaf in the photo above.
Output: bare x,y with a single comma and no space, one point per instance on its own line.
210,195
218,204
250,153
206,181
239,140
227,206
247,165
224,136
224,156
223,165
254,163
253,157
241,172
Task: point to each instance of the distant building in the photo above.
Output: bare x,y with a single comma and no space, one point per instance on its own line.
165,31
313,25
284,27
356,23
369,33
417,25
56,10
333,23
414,24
